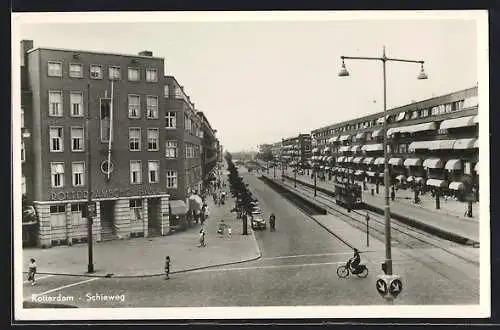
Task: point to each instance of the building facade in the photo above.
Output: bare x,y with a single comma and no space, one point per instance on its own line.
431,143
210,149
145,144
297,149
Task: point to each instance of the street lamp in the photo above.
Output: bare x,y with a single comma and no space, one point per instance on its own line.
90,266
422,75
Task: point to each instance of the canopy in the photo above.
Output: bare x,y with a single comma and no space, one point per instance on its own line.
379,161
360,136
412,162
355,148
333,139
344,148
357,160
373,147
457,122
344,137
340,159
195,202
177,207
441,144
370,173
462,144
431,126
433,163
368,160
376,133
396,161
435,183
455,185
453,164
418,145
400,177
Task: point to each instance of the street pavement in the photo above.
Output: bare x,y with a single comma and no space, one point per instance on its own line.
297,267
466,227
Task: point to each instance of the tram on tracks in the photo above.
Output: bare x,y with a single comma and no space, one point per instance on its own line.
348,194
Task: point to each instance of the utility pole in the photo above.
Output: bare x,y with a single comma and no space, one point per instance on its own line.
90,221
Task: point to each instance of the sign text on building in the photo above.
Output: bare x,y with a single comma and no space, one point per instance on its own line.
103,193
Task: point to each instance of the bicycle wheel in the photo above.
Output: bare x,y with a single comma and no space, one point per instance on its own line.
342,271
364,273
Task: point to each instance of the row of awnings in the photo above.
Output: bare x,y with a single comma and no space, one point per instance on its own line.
460,144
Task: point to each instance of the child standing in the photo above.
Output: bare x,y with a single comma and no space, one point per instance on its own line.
167,267
32,271
229,231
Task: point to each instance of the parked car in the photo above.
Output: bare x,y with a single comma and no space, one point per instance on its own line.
258,221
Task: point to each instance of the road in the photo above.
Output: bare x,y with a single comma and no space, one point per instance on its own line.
298,267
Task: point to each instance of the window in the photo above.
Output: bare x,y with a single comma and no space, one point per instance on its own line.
76,210
55,104
134,137
78,169
135,209
56,139
172,179
105,108
23,185
171,149
166,91
58,215
152,107
424,113
442,131
187,123
414,114
114,72
153,139
135,171
447,108
151,75
403,148
76,138
95,71
22,118
23,152
76,100
153,167
57,174
458,105
171,119
133,74
134,106
75,70
55,69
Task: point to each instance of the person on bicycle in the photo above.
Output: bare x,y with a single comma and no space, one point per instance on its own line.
272,221
355,260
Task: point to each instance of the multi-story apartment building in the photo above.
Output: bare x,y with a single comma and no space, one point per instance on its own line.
431,142
297,149
209,149
276,150
144,143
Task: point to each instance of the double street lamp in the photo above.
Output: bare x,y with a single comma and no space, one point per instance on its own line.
422,75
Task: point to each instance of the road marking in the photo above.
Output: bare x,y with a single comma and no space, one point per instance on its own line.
63,287
307,255
38,279
270,267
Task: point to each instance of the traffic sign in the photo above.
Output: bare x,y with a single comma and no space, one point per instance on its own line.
395,287
381,286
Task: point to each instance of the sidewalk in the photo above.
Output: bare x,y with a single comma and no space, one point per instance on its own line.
140,257
462,226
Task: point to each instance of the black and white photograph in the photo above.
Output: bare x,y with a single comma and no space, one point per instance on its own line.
251,165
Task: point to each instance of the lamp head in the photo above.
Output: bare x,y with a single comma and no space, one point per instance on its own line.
343,71
422,75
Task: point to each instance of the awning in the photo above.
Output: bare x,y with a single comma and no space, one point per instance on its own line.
381,175
396,161
344,148
195,202
476,168
373,147
400,116
315,150
327,167
370,173
377,132
435,183
455,185
476,119
324,158
327,149
413,162
178,207
356,148
441,144
329,158
380,120
344,137
433,163
457,122
340,159
359,172
464,144
431,126
357,160
476,144
419,179
418,145
379,161
333,139
360,136
321,167
349,159
410,178
453,164
368,160
400,177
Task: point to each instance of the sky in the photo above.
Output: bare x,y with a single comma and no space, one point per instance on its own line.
258,81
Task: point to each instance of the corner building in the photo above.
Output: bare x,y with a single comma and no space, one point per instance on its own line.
135,113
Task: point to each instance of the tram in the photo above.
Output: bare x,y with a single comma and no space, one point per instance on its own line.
346,193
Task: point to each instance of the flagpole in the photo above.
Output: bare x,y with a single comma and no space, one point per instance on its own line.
110,130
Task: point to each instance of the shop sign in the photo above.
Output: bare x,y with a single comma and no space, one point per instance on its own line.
103,193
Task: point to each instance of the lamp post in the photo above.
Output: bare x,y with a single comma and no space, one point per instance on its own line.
344,73
295,171
90,266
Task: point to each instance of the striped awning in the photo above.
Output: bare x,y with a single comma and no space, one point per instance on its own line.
344,148
457,122
433,163
463,144
368,160
436,183
357,160
412,162
455,185
396,161
453,164
379,161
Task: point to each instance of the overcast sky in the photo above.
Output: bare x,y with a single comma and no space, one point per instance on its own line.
260,81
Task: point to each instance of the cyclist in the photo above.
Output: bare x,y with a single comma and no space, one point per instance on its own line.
355,260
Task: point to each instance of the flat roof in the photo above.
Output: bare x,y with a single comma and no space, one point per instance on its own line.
93,52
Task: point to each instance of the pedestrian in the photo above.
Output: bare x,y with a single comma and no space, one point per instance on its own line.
220,230
167,267
229,231
32,271
202,238
393,194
